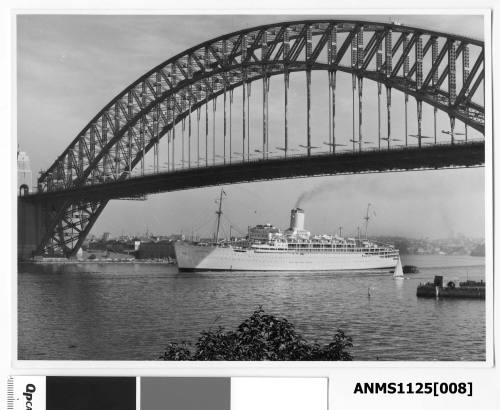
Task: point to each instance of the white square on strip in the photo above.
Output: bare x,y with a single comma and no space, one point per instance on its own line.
279,393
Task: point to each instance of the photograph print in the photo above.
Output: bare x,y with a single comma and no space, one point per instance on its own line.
252,187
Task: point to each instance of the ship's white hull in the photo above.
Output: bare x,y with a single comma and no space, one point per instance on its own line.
192,257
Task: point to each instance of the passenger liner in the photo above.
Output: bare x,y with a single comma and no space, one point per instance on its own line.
267,248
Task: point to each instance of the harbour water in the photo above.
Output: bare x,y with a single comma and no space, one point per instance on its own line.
130,311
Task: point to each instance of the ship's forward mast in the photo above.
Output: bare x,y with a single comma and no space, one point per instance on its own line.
219,214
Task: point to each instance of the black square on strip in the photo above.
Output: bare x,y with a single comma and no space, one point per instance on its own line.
185,393
91,393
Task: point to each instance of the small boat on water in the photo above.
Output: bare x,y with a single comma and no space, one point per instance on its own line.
465,290
410,269
398,271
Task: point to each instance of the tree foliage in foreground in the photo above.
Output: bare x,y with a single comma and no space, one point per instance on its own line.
260,337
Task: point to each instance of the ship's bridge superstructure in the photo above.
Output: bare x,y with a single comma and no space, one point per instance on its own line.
268,238
264,233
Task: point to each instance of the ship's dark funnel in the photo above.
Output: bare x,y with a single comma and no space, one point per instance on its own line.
297,220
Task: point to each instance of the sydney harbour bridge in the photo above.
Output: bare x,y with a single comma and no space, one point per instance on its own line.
186,122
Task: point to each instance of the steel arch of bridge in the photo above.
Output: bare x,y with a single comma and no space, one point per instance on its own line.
118,137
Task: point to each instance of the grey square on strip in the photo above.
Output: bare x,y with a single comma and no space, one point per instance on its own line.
185,393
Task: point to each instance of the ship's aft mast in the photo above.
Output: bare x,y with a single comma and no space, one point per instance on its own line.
219,214
367,218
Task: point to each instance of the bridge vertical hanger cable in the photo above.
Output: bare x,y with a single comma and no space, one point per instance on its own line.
264,94
214,108
418,61
169,139
142,129
104,138
378,65
67,170
190,102
465,76
308,86
225,125
157,146
174,117
92,149
330,93
129,142
230,126
105,157
243,90
91,141
406,69
80,155
268,84
198,119
249,94
332,80
286,76
183,127
268,79
267,115
354,58
206,132
388,71
64,170
117,145
435,76
157,122
224,79
452,86
206,68
189,130
360,88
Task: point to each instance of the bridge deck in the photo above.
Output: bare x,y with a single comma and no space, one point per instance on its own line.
408,158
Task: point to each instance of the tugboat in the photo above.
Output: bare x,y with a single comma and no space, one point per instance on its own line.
465,290
410,269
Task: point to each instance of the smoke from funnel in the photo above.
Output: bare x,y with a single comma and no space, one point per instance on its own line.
377,187
314,193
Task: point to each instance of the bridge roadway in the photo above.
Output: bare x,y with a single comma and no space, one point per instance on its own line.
395,159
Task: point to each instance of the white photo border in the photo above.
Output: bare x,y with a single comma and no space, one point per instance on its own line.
222,368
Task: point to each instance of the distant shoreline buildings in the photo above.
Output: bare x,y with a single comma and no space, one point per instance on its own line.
140,247
457,245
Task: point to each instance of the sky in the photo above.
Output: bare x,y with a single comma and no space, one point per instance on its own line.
69,67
